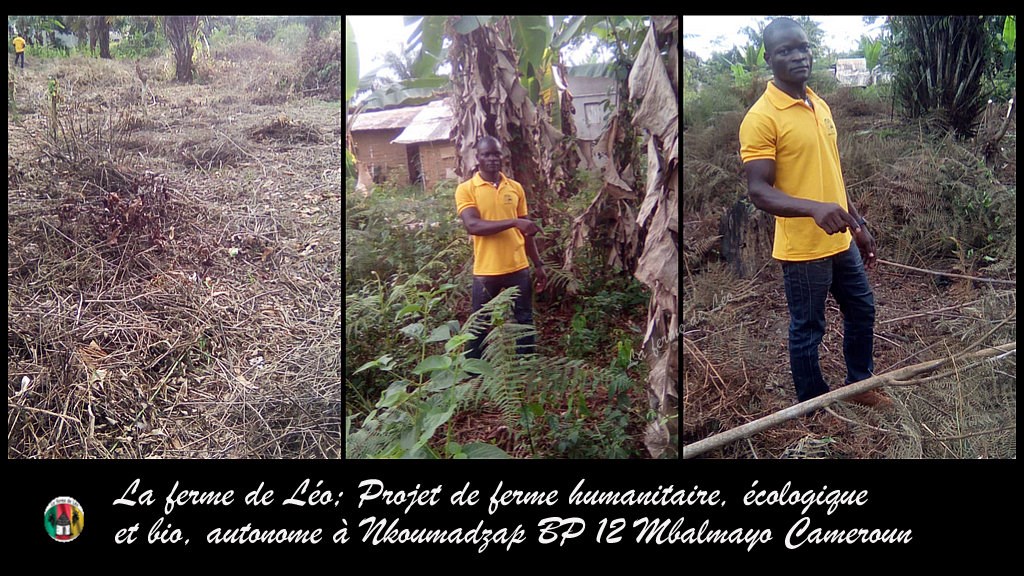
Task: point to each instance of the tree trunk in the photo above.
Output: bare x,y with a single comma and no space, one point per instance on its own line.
747,236
180,31
104,36
491,101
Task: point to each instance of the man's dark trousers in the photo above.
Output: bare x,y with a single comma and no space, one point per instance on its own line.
807,285
485,288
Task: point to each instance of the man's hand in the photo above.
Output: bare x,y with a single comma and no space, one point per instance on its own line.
831,218
541,281
866,245
527,227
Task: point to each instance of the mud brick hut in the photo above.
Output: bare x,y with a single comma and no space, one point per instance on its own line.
404,146
429,145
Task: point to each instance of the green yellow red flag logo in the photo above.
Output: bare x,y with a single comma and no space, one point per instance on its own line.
64,519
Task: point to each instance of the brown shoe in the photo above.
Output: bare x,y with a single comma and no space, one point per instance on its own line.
871,399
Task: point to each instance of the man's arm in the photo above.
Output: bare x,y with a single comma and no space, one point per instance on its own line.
477,226
829,216
853,209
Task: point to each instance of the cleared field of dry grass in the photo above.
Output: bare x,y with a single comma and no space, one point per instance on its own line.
174,262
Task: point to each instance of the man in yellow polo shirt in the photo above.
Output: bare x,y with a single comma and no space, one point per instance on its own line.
493,210
19,50
788,146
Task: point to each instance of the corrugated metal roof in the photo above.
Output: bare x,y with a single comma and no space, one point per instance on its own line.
434,122
386,119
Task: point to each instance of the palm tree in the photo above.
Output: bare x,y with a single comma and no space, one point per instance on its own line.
181,33
939,62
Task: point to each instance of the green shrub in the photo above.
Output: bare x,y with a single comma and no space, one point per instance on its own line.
138,45
291,37
709,103
320,67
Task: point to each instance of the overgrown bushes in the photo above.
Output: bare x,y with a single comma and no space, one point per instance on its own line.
320,66
409,388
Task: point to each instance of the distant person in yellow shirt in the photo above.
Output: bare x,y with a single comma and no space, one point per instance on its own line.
789,151
19,50
493,210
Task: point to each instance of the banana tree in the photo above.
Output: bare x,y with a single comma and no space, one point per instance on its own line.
610,221
643,235
489,99
503,83
654,87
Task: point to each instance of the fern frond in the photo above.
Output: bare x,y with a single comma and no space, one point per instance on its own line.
371,439
561,279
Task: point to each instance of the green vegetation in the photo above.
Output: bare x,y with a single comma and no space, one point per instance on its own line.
409,387
195,42
934,198
567,400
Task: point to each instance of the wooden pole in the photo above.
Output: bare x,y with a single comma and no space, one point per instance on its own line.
949,274
896,376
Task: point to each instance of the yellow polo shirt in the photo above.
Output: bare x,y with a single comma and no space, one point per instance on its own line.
504,252
19,44
802,142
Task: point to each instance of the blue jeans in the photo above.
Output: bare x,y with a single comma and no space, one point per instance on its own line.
807,285
486,288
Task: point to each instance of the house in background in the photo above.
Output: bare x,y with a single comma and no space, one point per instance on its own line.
429,145
589,95
852,71
379,158
415,144
404,146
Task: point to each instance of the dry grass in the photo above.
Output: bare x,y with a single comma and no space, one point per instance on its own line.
172,287
918,192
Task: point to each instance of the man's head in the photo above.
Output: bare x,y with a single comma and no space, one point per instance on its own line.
787,51
488,154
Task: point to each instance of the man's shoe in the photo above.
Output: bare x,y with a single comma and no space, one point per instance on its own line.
871,399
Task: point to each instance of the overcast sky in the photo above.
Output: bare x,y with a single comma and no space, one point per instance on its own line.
376,36
706,34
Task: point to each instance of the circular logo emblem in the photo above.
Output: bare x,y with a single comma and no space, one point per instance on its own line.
64,519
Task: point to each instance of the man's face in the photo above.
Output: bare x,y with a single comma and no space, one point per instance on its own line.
489,156
789,55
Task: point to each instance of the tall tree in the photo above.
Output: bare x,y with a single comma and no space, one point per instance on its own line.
610,221
181,33
491,100
100,34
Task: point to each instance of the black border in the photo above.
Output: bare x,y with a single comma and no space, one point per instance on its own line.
956,509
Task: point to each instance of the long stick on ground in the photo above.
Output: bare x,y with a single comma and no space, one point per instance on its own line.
896,376
950,274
